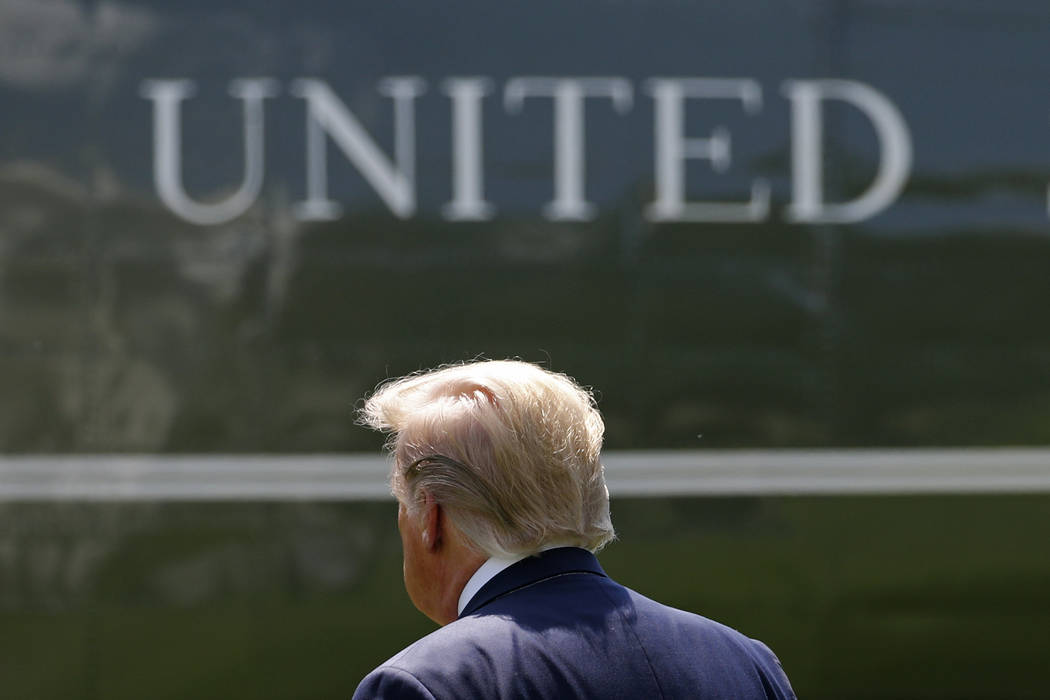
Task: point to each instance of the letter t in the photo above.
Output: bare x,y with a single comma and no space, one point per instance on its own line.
569,167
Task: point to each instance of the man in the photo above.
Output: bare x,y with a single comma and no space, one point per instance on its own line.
502,502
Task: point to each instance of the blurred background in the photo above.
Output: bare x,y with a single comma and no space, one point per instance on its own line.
801,250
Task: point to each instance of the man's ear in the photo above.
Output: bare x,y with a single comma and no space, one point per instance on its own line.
432,524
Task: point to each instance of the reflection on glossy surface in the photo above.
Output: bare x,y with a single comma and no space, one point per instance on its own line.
534,232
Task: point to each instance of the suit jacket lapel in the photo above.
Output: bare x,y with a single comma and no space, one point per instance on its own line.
530,570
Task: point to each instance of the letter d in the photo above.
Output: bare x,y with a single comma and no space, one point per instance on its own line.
807,168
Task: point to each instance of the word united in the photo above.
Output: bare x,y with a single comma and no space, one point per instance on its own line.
392,176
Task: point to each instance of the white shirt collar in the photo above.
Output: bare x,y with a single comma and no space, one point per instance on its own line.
487,571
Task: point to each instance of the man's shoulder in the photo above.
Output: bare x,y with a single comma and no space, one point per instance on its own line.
448,662
442,646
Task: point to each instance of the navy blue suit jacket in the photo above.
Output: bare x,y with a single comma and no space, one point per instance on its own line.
555,626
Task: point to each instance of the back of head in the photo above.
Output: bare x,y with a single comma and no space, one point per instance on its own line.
509,450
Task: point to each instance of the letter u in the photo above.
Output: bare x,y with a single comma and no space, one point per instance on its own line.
167,96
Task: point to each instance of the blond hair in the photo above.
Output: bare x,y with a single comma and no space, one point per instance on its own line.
509,450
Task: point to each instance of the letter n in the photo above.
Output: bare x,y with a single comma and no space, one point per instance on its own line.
326,114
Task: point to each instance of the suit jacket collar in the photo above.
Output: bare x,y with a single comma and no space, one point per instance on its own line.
530,570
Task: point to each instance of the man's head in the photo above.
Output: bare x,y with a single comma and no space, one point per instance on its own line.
509,451
492,458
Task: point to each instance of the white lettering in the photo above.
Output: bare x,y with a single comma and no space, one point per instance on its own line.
569,137
807,165
326,114
167,95
393,176
673,148
468,203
